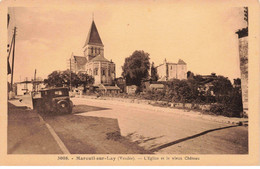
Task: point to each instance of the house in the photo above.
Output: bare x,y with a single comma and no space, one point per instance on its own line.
26,87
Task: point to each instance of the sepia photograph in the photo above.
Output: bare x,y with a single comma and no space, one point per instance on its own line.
126,78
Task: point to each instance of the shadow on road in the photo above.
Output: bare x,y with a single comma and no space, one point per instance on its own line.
85,108
188,138
92,135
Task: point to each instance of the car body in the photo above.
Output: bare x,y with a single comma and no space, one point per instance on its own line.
52,100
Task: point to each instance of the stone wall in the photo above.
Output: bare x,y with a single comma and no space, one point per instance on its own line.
243,57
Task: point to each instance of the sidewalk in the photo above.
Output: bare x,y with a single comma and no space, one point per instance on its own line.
27,134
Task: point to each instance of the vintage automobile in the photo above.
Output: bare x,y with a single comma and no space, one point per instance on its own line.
53,100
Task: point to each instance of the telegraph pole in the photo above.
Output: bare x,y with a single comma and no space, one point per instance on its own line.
70,75
34,81
12,73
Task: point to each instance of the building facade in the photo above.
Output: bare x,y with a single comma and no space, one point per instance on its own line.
243,57
167,70
93,61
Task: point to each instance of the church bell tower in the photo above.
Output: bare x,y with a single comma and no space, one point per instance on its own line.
93,45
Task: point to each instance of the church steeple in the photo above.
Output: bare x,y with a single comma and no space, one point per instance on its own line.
93,45
93,36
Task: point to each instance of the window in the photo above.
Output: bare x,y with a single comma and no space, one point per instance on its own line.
96,71
108,72
103,72
98,50
92,50
58,93
171,67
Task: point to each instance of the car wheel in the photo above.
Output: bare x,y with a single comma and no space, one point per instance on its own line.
63,107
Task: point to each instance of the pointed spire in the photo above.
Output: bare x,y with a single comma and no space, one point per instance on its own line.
93,36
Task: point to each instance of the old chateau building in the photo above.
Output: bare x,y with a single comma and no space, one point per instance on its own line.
167,70
93,62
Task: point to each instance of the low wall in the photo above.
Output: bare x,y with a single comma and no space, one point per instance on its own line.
203,107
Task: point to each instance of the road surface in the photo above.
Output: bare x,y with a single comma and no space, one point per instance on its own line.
114,127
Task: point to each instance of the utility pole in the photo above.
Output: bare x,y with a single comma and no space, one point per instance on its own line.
34,81
70,75
12,73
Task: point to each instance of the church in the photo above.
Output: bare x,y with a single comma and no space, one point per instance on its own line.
93,61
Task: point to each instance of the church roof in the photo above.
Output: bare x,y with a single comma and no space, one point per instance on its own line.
99,58
93,36
80,60
181,62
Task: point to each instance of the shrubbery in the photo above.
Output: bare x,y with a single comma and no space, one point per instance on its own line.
223,98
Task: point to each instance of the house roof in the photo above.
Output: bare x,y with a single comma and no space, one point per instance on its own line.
80,60
157,86
102,87
99,58
93,36
181,62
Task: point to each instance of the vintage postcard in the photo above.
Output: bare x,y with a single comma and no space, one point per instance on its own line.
129,82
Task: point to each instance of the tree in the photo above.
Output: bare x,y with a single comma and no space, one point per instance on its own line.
221,86
154,75
190,75
136,68
62,78
85,79
54,79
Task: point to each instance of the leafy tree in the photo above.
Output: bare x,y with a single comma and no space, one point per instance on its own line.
154,75
54,79
221,87
190,75
237,82
63,78
85,79
136,68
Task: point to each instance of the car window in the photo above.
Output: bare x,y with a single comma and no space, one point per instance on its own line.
58,93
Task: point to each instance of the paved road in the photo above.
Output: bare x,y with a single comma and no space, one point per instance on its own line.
113,127
169,131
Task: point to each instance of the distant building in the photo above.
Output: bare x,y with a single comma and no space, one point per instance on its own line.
26,87
93,62
131,89
167,70
243,57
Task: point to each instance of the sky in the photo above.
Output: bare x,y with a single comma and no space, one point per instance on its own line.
201,35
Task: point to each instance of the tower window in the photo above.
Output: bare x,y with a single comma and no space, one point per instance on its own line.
103,72
98,50
96,71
